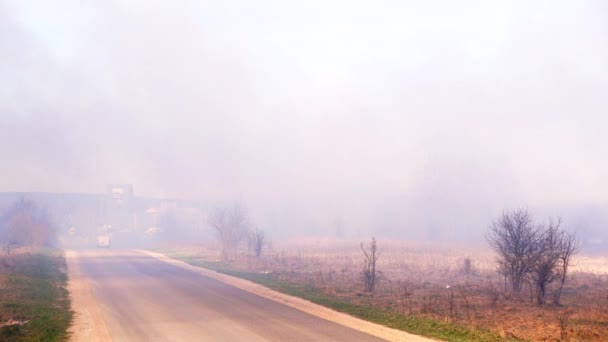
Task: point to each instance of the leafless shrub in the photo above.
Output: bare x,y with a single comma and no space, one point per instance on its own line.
230,226
256,240
432,302
556,248
569,245
538,253
465,294
503,271
493,292
427,305
370,255
543,271
514,237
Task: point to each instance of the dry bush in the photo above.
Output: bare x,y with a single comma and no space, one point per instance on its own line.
25,224
256,240
532,254
370,260
230,226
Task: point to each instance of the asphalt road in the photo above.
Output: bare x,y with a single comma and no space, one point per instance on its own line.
141,298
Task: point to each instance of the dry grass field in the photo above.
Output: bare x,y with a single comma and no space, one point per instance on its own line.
445,283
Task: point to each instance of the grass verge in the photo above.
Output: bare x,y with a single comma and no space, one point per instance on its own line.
414,324
33,290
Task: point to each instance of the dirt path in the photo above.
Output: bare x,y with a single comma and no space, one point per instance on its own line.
300,304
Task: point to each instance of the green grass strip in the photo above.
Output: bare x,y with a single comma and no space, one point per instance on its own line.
35,291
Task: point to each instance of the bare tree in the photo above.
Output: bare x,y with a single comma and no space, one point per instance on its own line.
257,240
503,271
230,226
540,254
24,223
370,255
543,271
569,245
515,238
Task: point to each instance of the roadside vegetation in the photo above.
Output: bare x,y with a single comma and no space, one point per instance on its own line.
390,317
34,301
538,253
26,225
491,293
232,225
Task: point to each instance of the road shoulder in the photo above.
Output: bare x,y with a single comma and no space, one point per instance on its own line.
298,303
88,323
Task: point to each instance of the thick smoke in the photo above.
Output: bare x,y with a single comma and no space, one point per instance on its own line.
420,120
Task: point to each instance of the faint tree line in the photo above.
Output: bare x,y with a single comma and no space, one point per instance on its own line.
526,250
25,224
233,225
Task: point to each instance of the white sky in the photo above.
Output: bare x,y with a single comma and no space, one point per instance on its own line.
380,114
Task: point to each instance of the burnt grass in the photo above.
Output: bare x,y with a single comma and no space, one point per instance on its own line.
33,291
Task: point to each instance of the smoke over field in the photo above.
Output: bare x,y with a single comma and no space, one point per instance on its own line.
408,120
433,166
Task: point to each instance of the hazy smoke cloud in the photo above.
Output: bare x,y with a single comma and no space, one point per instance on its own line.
411,119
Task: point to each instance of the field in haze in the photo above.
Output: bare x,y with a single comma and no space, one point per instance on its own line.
434,281
159,122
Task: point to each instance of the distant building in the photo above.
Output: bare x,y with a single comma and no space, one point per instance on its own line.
116,210
120,207
120,194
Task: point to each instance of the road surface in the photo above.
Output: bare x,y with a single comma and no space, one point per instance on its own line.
131,296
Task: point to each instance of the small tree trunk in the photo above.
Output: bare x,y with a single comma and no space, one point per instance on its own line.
540,294
516,284
557,296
